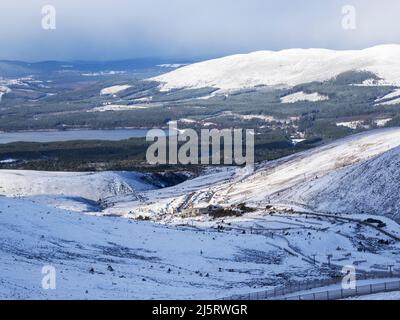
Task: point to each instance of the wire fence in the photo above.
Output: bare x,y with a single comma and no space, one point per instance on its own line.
284,292
361,290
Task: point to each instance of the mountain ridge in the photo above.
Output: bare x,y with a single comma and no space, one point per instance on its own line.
286,68
369,186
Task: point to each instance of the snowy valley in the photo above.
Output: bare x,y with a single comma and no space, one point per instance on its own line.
323,193
143,244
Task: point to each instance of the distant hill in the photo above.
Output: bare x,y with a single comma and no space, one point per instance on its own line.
21,68
285,68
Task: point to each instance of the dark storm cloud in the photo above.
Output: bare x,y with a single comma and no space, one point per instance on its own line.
114,29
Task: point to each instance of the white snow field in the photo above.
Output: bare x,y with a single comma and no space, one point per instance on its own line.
114,258
114,89
368,187
88,185
302,96
99,254
284,68
130,259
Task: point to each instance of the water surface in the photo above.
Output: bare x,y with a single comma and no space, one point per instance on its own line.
68,135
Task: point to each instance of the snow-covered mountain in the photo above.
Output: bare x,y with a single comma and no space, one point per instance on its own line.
272,178
286,181
367,187
284,68
201,257
88,185
328,178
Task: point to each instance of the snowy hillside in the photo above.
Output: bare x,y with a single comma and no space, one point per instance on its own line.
89,185
267,184
201,257
114,258
284,68
276,176
368,187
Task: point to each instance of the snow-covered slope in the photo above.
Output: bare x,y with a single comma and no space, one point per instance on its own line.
114,89
368,187
393,95
88,185
284,68
276,176
114,258
269,183
390,99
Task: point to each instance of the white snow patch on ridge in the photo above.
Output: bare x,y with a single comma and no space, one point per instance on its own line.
389,99
382,122
371,83
302,96
3,91
117,107
114,89
352,124
360,124
284,68
6,161
391,102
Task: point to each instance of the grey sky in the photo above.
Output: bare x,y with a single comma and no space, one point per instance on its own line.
117,29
